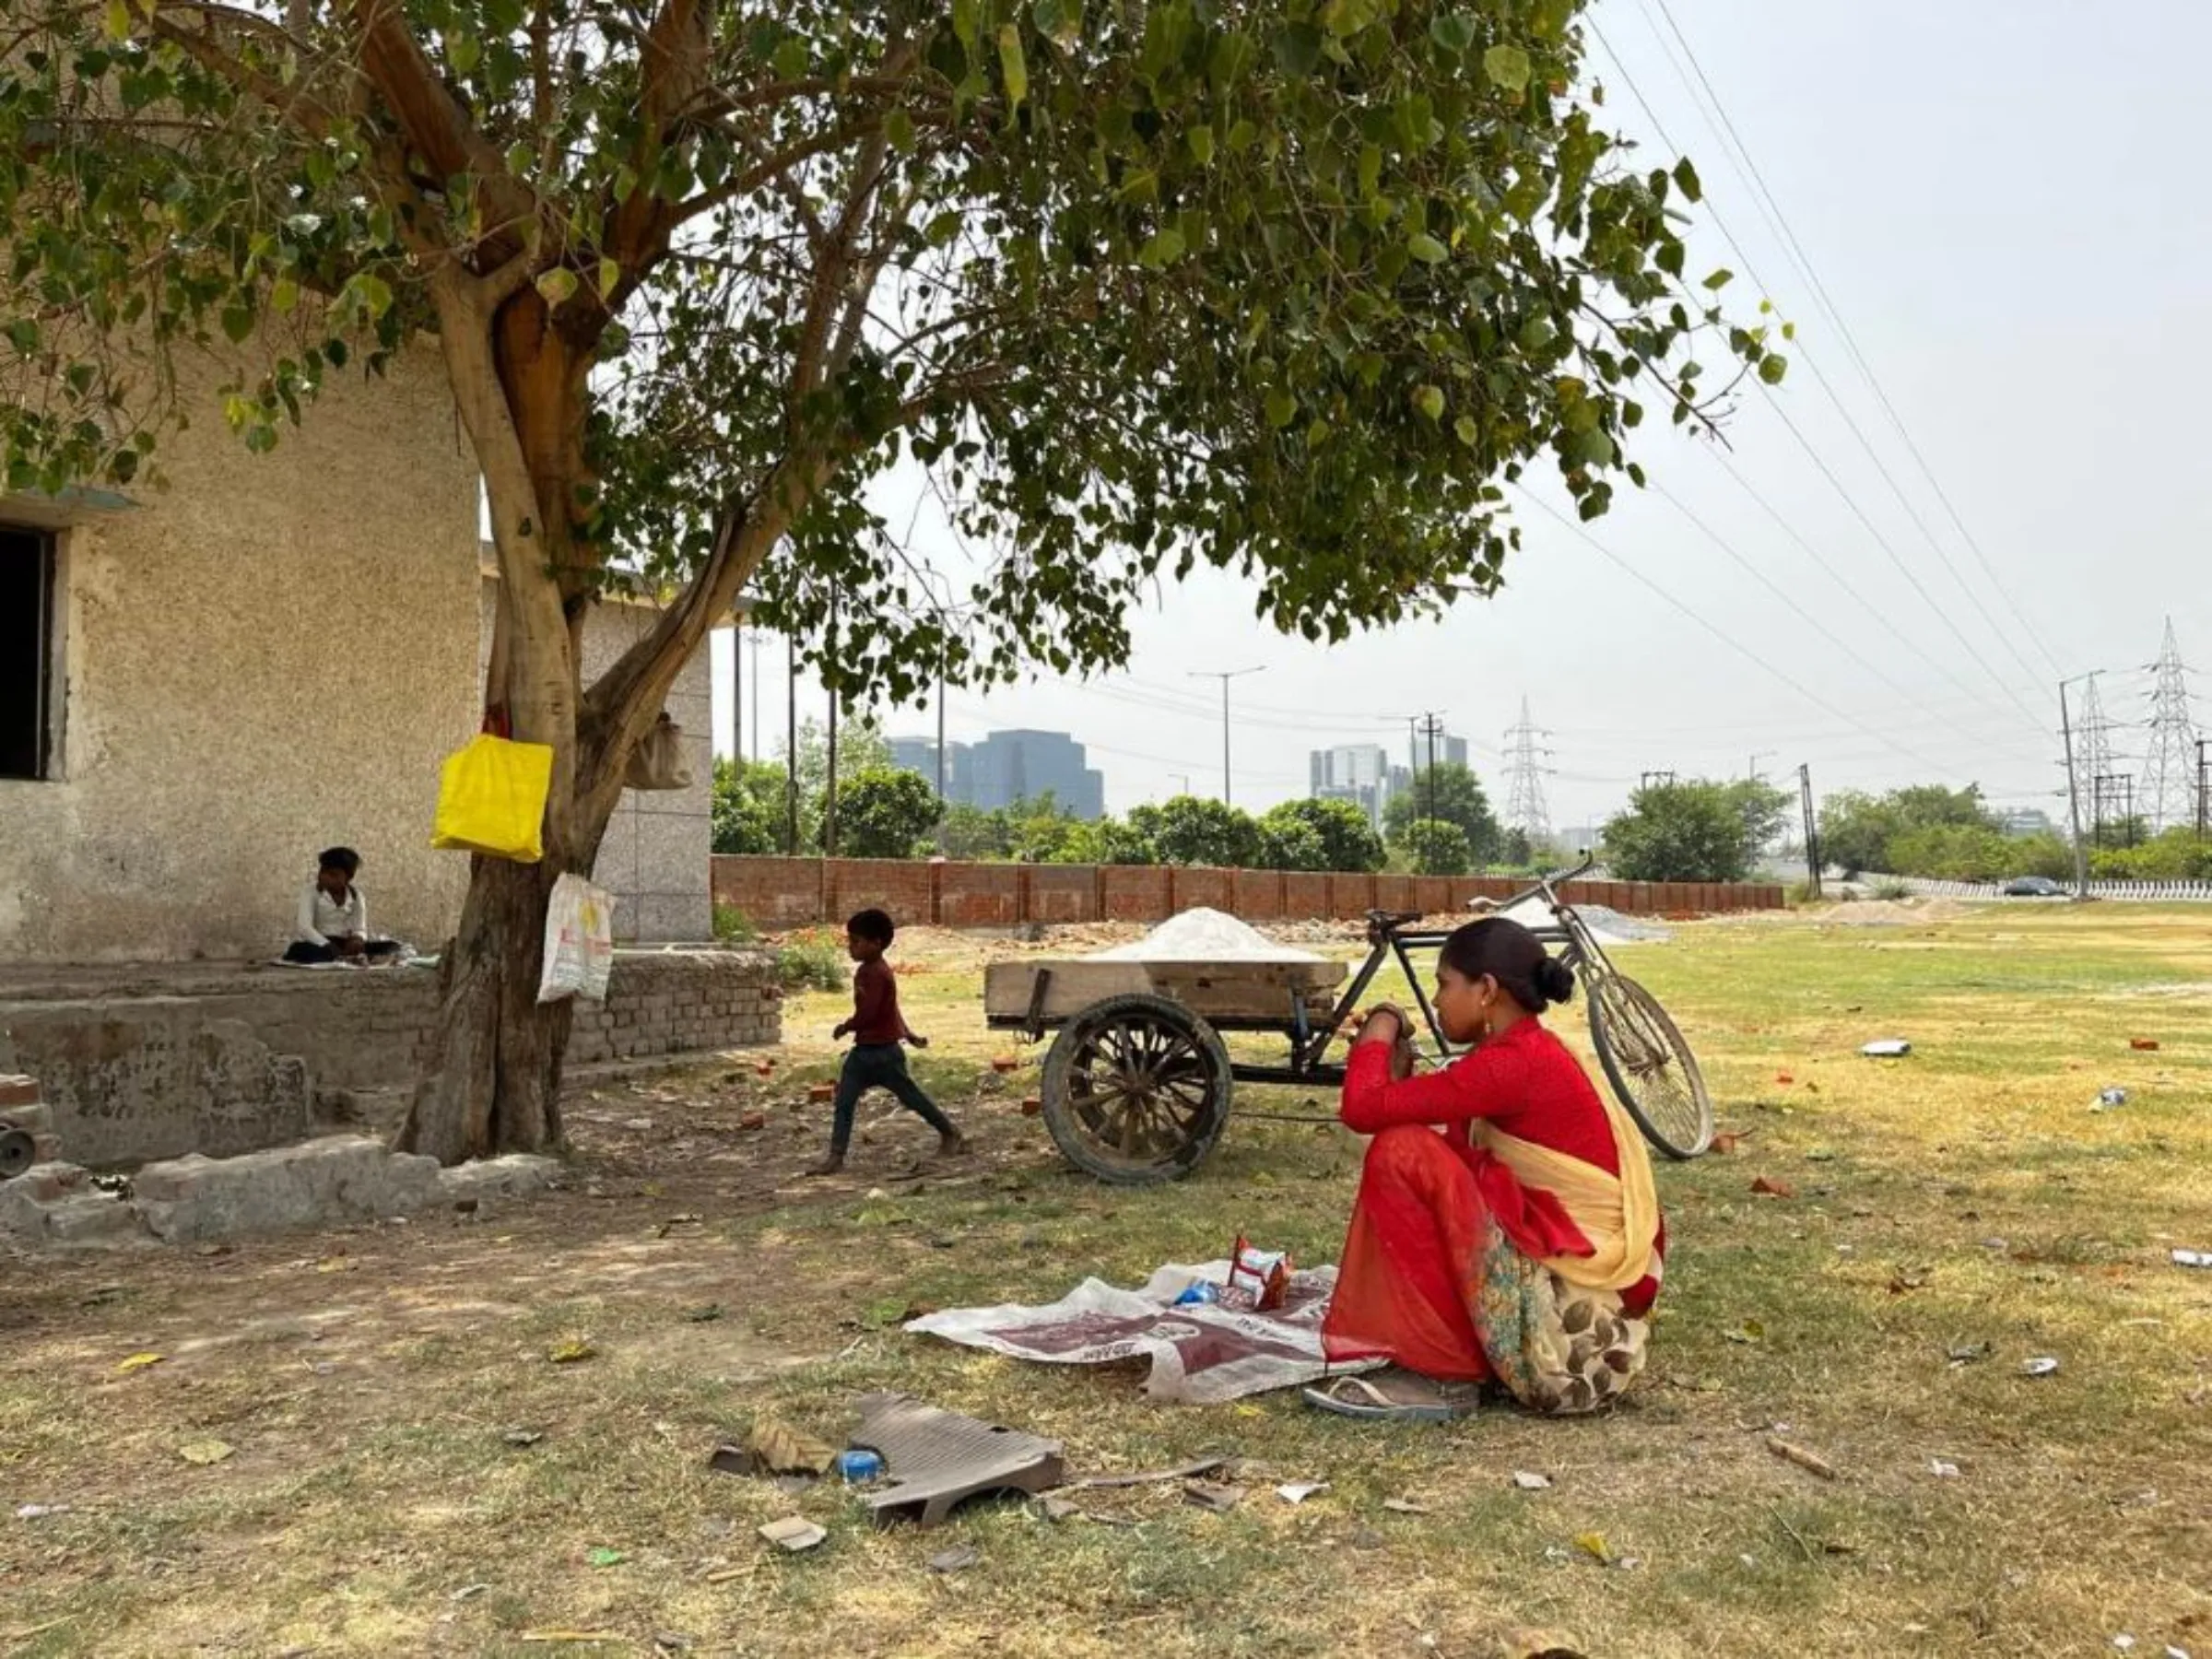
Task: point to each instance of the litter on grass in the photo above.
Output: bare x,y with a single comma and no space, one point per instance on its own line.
2108,1098
1887,1048
2193,1258
793,1532
1201,1354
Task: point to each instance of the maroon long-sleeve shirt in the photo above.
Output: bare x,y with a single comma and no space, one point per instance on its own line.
876,1016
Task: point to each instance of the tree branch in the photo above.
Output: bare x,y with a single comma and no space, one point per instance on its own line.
430,119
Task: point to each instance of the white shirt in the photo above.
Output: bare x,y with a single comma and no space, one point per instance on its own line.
321,919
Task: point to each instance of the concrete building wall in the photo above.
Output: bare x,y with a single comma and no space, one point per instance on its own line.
266,658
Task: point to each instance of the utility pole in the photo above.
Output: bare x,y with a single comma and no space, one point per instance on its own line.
791,753
2204,777
1664,779
940,732
2081,853
1751,773
829,789
738,692
1224,675
1812,832
1432,727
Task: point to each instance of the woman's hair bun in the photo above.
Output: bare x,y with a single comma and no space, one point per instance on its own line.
1555,980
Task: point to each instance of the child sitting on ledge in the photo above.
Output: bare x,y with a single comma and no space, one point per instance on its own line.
332,924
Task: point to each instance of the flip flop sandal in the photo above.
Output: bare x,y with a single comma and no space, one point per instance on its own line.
1356,1398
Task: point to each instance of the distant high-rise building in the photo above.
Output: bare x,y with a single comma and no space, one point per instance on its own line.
1011,767
915,755
920,755
1358,772
1450,751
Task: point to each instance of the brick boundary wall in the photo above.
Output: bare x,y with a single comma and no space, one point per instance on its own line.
778,893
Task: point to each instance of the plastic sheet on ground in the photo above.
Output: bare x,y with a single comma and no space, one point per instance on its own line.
1201,1354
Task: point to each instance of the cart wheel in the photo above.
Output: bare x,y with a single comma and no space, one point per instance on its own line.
1651,1067
1136,1089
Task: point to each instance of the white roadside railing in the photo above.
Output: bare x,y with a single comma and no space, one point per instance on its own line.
2148,892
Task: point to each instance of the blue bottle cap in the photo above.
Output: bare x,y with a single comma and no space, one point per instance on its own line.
858,1466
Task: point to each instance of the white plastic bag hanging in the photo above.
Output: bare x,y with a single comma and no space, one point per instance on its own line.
580,941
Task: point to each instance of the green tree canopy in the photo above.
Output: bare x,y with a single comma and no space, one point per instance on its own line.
976,832
1436,847
885,813
1286,289
1451,793
749,815
1189,829
1340,836
1694,831
1858,830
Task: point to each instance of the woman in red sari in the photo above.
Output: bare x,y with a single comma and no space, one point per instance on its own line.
1522,1245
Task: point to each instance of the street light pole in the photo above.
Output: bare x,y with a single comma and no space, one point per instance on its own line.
2065,728
1224,675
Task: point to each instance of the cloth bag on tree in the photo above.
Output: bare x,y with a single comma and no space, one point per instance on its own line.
491,799
658,760
580,941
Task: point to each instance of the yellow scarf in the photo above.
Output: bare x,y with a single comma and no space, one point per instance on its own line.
1618,1215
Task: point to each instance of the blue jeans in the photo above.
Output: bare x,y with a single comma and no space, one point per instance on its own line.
880,1065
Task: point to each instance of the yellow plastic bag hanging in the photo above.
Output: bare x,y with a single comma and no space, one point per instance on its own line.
491,799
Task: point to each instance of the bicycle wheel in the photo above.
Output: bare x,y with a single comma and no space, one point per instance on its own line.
1136,1089
1650,1066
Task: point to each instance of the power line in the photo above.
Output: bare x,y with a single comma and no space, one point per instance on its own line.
1734,645
1803,615
1856,593
1903,569
1795,249
1804,351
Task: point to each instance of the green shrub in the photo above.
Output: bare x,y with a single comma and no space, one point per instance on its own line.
813,960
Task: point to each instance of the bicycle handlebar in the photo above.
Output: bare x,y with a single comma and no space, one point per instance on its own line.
1589,863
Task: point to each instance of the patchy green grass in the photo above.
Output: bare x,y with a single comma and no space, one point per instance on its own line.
1962,1202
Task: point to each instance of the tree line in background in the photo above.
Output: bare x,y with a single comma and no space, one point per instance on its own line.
1952,835
1691,830
1443,826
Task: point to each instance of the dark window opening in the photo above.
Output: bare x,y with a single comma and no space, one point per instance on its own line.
27,665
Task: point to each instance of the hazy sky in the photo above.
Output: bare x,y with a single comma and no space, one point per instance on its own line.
2005,209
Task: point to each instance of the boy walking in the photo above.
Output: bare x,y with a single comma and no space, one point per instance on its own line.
877,1029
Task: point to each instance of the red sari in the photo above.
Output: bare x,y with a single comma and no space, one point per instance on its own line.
1431,1206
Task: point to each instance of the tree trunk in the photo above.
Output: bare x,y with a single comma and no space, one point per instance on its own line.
492,1081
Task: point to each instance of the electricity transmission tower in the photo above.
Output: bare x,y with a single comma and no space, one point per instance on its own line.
1525,806
2093,751
2169,770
